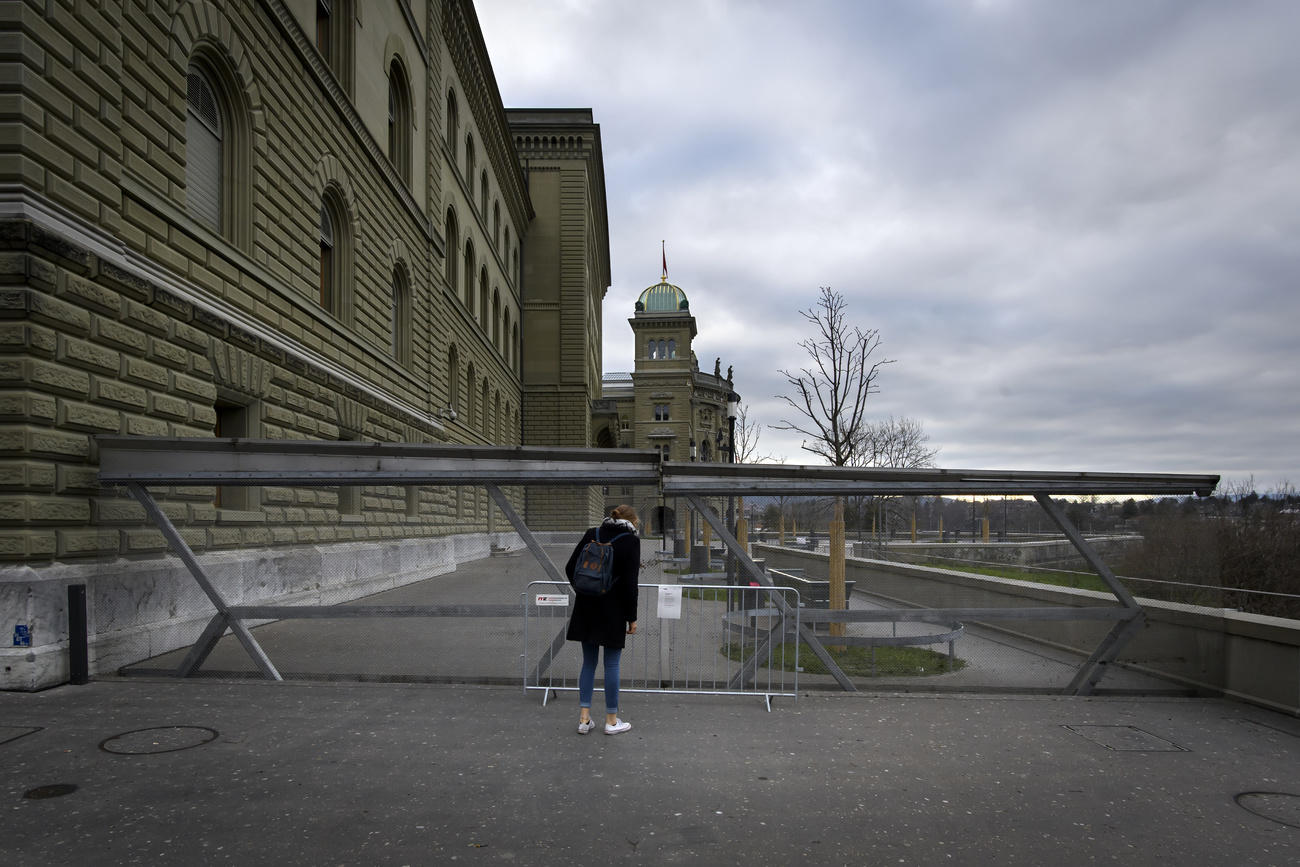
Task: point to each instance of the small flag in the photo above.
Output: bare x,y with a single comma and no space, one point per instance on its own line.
664,250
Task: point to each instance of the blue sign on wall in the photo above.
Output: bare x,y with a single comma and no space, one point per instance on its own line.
22,635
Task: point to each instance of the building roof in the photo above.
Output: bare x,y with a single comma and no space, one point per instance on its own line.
662,297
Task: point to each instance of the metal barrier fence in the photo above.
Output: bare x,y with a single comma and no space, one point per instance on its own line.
708,639
435,536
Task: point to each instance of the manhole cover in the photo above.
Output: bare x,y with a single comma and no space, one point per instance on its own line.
1126,738
164,739
54,790
1280,807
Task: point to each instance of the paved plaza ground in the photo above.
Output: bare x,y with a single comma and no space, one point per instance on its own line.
219,772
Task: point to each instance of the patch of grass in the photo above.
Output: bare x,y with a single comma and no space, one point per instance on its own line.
1056,579
859,661
706,594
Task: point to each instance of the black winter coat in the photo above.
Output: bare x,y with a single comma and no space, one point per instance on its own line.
604,619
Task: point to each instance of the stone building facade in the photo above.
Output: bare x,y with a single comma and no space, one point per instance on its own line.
666,403
566,270
258,218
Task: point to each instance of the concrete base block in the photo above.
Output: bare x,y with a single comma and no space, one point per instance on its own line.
142,607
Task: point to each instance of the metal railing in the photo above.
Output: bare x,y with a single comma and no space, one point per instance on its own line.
708,639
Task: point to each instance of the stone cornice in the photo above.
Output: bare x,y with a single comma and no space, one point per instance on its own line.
469,54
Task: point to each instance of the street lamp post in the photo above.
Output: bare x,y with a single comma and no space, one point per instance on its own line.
732,406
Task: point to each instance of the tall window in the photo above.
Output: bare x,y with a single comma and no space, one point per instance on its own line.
452,236
470,415
400,316
487,408
399,120
469,162
482,196
334,38
672,348
496,318
514,346
661,412
496,224
483,299
469,276
453,120
453,379
335,256
663,349
651,349
505,338
328,259
203,158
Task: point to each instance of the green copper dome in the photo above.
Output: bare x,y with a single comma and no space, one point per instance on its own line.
663,298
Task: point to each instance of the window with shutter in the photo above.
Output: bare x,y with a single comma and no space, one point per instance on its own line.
203,151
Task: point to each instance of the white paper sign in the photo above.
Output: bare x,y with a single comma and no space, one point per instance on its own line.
559,599
670,602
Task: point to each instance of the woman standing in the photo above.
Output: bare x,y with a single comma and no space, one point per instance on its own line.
606,621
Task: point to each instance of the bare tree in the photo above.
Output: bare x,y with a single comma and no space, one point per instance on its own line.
831,393
900,443
747,436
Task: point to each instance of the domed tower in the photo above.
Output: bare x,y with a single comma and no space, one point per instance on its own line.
664,327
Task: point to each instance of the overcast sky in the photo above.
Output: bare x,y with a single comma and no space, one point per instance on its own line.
1076,225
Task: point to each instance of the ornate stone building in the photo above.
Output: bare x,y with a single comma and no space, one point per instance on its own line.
666,403
566,270
271,218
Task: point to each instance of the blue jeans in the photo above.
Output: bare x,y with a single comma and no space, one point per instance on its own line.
587,679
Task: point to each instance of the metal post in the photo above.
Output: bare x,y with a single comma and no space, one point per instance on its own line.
78,647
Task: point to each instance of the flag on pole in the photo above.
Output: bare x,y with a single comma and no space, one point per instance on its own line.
663,249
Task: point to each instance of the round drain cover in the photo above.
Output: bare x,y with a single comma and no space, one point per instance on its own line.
54,790
1280,807
164,739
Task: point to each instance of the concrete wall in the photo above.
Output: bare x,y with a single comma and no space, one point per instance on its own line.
1058,552
1247,656
139,607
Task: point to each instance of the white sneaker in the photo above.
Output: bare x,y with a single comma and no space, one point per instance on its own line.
618,727
584,727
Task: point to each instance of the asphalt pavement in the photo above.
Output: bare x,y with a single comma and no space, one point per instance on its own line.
161,772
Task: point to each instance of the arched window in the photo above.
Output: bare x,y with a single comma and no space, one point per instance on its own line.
470,415
506,253
496,417
469,276
496,318
453,379
486,410
663,349
453,120
482,195
399,121
451,231
483,299
469,161
218,148
506,348
650,349
203,156
335,256
672,349
400,316
514,347
496,224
